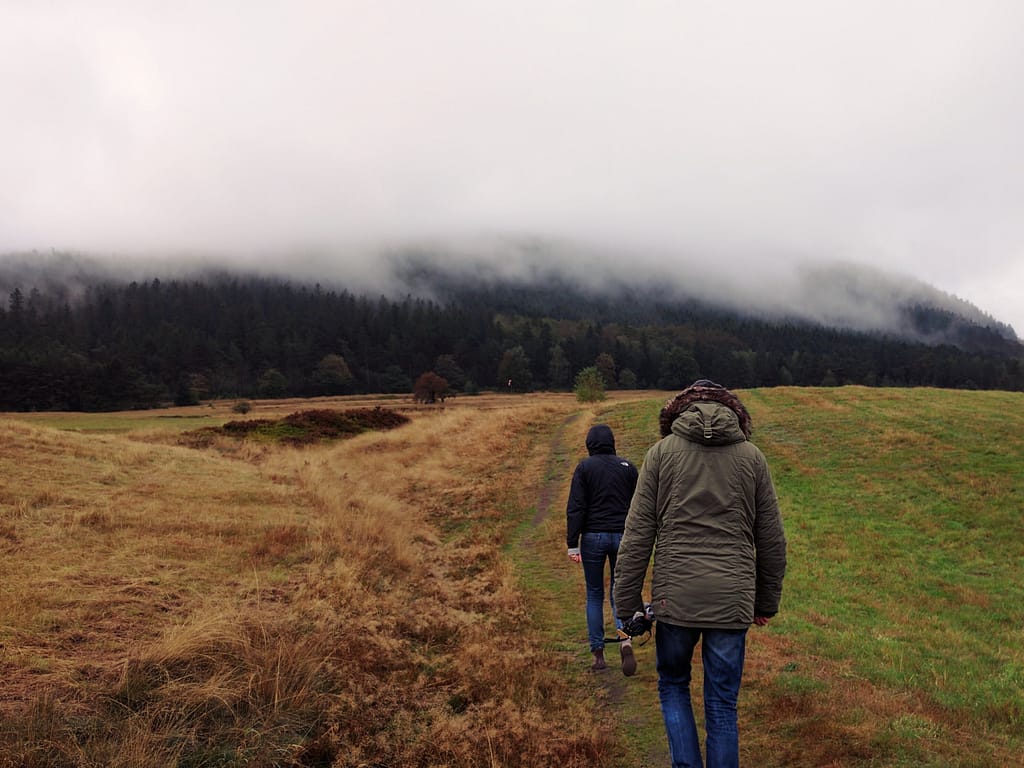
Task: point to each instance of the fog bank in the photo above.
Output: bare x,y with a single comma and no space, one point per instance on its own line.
727,144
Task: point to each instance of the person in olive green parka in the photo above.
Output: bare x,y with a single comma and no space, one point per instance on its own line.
705,505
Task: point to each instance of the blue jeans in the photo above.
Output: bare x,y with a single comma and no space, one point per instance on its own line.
722,653
595,548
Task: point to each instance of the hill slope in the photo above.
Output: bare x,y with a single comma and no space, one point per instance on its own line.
99,343
840,296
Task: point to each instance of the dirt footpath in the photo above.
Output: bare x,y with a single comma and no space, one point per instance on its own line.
631,704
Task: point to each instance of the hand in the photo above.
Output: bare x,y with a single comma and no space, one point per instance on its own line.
761,621
638,625
576,557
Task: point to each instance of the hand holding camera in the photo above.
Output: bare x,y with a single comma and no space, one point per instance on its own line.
640,624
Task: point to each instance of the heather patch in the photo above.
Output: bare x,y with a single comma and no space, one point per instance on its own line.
302,427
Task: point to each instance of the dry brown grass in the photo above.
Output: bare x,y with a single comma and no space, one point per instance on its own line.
107,544
361,603
412,526
346,604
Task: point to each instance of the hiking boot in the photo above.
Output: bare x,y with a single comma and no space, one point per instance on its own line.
599,662
628,659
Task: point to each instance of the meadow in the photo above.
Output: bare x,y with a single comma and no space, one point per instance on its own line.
402,597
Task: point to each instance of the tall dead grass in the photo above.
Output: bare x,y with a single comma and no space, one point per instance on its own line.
413,522
345,605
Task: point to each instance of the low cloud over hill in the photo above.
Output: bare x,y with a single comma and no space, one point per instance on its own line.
844,296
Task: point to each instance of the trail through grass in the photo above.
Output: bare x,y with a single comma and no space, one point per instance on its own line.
556,595
375,621
900,639
404,598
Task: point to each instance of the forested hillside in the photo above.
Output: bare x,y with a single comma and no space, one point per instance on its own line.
140,344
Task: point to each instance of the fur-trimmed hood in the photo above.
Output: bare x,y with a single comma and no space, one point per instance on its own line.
704,390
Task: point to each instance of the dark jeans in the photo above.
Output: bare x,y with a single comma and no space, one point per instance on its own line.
595,548
722,653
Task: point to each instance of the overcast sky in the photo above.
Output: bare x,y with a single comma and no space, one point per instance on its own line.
739,136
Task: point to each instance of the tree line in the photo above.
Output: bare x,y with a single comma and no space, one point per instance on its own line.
147,343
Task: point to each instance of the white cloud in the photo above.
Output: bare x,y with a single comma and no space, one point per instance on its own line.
767,133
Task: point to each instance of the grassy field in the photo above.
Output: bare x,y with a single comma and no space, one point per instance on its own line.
900,641
402,598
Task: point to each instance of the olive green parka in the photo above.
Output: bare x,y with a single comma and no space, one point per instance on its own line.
706,506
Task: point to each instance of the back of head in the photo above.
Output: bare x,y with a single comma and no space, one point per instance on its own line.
600,439
703,390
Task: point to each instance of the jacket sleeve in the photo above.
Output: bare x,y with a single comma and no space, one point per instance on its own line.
637,541
769,546
576,508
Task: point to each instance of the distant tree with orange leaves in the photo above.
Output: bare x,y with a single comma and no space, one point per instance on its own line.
429,388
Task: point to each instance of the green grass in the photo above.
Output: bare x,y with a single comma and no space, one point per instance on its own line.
554,590
904,511
904,517
119,423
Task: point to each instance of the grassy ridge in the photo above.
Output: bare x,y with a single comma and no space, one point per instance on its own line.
899,641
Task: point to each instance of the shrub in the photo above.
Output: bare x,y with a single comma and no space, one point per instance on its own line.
589,385
301,427
429,388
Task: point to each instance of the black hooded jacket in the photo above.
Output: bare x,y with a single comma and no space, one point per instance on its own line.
602,488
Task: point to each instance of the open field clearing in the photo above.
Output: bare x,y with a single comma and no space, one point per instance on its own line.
901,636
175,419
402,598
341,604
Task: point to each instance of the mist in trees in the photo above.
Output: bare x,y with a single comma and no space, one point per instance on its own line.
144,344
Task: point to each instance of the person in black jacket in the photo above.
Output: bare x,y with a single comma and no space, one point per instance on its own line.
602,488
